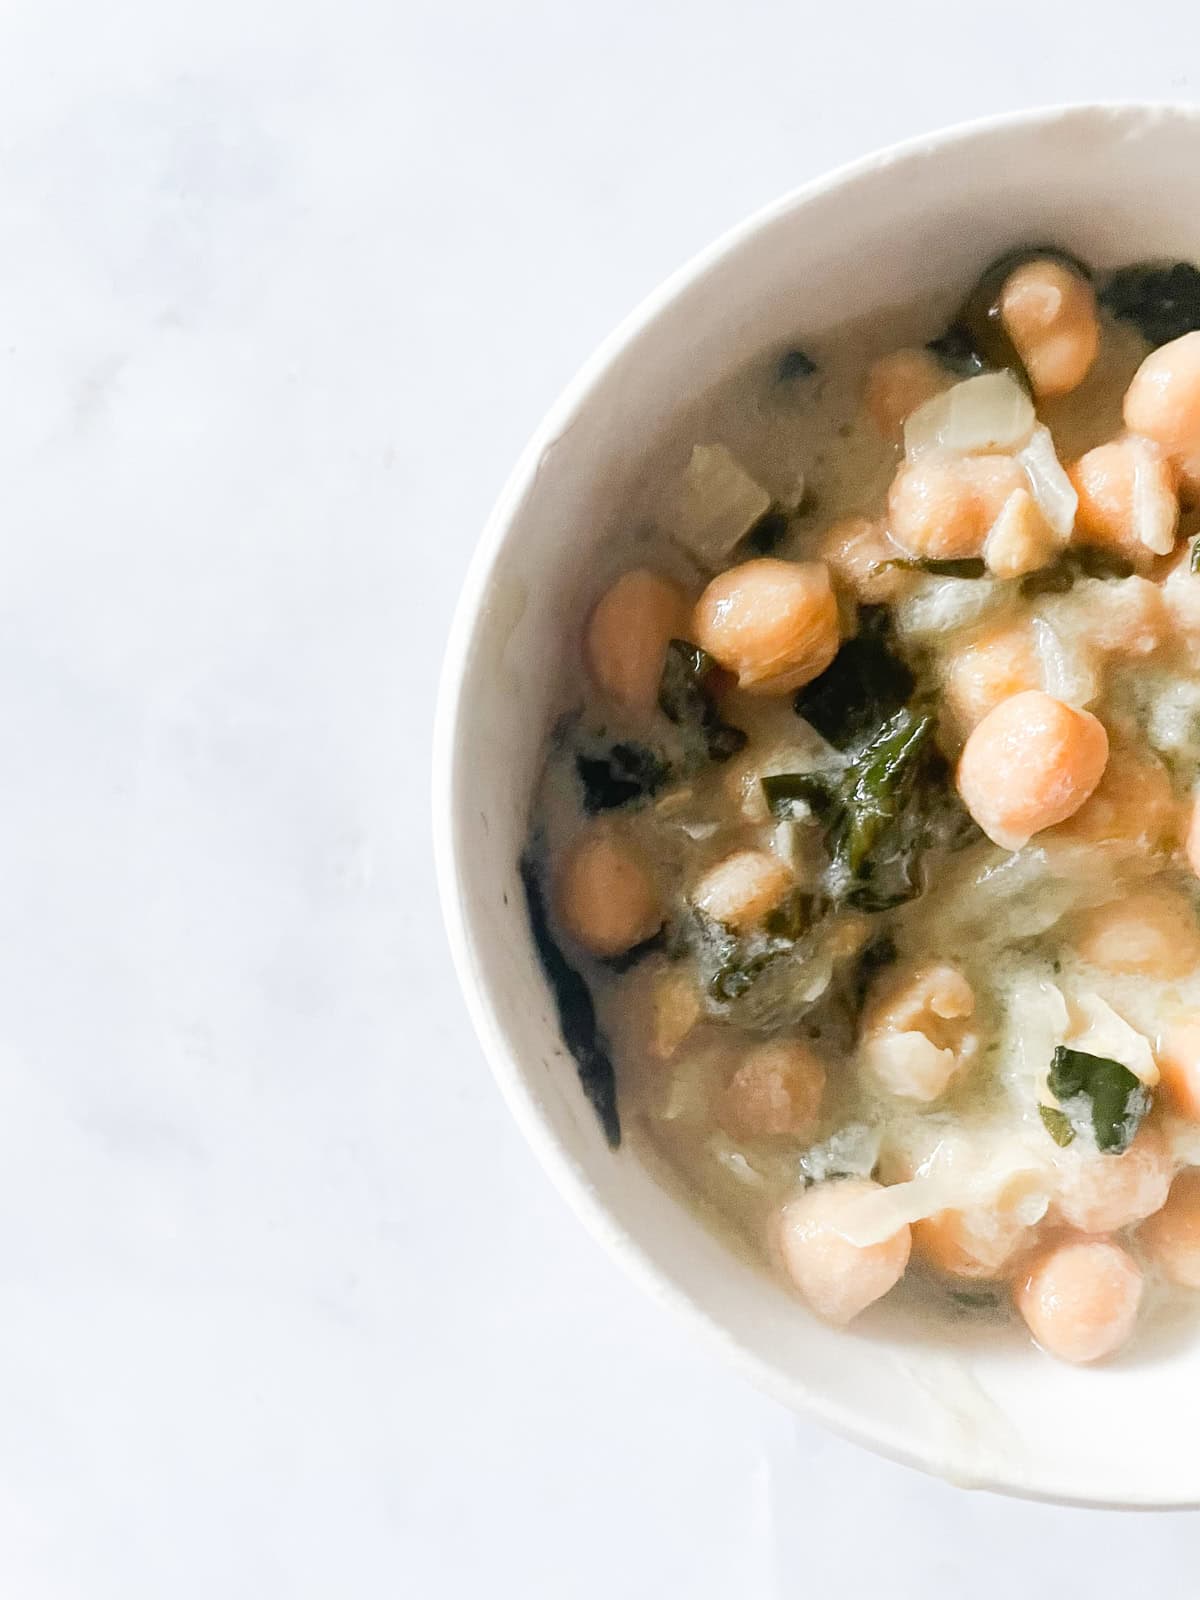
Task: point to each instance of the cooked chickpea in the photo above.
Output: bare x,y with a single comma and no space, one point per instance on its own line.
1132,804
1171,1237
897,384
740,889
1127,500
1153,933
777,1089
1191,838
773,623
607,898
1031,762
1163,400
1178,1057
837,1278
1097,1192
980,1242
944,508
990,667
1080,1298
1049,313
857,552
915,1031
628,633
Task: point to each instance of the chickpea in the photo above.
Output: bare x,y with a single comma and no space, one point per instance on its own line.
1132,804
1163,400
1080,1298
1152,933
1171,1237
1097,1192
1127,500
773,623
1049,313
607,899
776,1090
987,669
1191,839
943,508
897,384
627,637
739,890
837,1278
1178,1057
857,552
975,1243
915,1035
1030,763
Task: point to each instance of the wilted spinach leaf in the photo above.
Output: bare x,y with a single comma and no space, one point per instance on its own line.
977,339
1082,561
1057,1124
769,531
966,567
576,1010
1101,1094
864,684
1160,298
880,813
639,952
628,772
685,698
1194,560
794,364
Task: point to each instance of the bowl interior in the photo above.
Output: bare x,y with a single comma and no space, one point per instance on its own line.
1112,184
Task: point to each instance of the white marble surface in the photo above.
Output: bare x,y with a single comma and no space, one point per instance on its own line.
286,1310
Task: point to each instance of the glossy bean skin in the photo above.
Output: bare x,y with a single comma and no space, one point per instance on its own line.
1080,1298
838,1279
1049,313
943,508
774,624
739,890
1030,763
1171,1237
627,635
606,896
776,1090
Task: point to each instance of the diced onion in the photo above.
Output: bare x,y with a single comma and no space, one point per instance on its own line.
988,413
716,503
935,606
1155,506
1051,487
1067,670
951,1183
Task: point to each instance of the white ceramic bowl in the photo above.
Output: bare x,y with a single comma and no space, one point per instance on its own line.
1111,183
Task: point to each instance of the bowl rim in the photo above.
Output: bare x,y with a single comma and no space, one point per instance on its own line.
556,1161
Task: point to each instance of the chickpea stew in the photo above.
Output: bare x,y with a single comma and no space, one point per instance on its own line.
864,864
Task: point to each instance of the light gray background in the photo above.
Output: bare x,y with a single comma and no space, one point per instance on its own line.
286,1308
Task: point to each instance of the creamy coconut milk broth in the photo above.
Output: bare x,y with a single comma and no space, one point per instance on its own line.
863,866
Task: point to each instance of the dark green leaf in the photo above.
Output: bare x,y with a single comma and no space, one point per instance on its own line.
1194,561
794,364
790,919
818,791
627,773
1160,298
639,952
685,698
866,683
1058,1125
1101,1094
576,1010
769,531
1082,561
967,567
977,339
883,781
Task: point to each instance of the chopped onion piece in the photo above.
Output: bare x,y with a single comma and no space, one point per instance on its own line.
988,413
1155,505
1021,539
1023,1181
716,503
1051,487
1067,670
937,605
